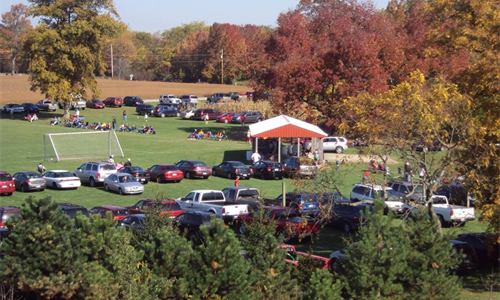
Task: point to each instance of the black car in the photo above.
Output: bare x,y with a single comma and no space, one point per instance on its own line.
231,169
8,212
132,101
456,193
29,181
139,173
469,256
133,222
485,245
166,111
143,109
305,203
30,108
349,217
189,223
72,209
268,169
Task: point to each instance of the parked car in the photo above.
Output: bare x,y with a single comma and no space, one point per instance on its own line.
251,116
200,113
164,173
335,143
30,108
165,111
304,203
194,168
189,223
218,97
113,101
242,195
72,210
143,109
485,245
80,104
405,188
188,114
123,183
132,101
94,172
333,198
169,98
98,104
267,169
369,192
116,212
295,167
29,181
212,201
456,194
289,223
7,213
141,175
164,206
349,217
46,105
231,169
189,98
469,256
136,223
234,95
7,185
15,108
226,118
61,179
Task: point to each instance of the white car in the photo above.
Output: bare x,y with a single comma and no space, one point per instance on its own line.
169,98
188,114
189,98
15,108
447,214
61,179
335,143
123,183
368,192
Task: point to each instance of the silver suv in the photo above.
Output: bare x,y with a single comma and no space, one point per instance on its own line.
94,172
335,143
368,192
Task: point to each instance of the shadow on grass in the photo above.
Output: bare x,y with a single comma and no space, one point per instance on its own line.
234,133
478,281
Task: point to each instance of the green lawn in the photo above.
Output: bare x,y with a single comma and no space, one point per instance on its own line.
21,148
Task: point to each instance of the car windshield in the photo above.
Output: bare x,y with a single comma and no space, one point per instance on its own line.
392,194
32,175
136,169
5,177
170,168
107,168
248,193
127,179
238,164
199,164
171,206
120,212
62,174
97,101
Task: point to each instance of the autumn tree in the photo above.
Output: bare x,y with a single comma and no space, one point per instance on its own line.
190,57
66,48
13,30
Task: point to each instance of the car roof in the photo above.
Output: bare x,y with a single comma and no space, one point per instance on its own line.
9,208
58,171
205,191
376,187
233,161
3,173
110,207
69,205
240,188
28,172
163,201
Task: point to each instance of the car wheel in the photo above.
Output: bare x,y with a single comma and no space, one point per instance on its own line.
213,172
347,227
442,221
205,177
23,188
54,185
188,175
339,149
334,265
259,120
92,182
226,121
9,194
241,228
120,191
106,188
280,178
146,182
160,180
162,115
229,176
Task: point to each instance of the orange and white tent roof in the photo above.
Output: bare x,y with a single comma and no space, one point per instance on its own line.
285,127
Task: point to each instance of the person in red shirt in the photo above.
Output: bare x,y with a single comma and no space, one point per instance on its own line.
365,177
237,181
243,118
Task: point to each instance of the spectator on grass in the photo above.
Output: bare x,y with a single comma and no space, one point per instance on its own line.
408,171
255,157
128,163
111,159
146,117
222,135
153,130
77,112
206,118
364,180
114,123
243,119
41,168
119,165
54,121
125,115
133,128
249,136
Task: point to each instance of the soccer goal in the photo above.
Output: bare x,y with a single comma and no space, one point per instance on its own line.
79,145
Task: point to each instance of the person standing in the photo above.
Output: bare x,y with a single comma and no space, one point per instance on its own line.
146,117
249,136
111,159
41,168
128,163
407,170
114,123
237,181
206,118
255,157
243,119
365,177
124,115
77,112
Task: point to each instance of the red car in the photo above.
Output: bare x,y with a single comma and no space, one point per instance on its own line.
226,118
7,186
117,212
165,173
166,206
7,212
194,168
289,223
95,104
293,257
113,101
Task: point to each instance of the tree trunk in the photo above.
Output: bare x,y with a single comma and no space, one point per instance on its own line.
67,105
13,62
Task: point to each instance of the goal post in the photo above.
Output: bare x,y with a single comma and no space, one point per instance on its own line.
81,145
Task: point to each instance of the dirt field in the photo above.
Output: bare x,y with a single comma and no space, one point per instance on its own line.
355,158
16,89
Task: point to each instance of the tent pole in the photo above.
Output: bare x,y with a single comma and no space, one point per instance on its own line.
298,147
279,150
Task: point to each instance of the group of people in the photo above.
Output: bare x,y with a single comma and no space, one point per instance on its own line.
146,130
126,128
119,165
76,122
198,135
31,118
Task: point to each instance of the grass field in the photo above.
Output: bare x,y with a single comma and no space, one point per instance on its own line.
21,148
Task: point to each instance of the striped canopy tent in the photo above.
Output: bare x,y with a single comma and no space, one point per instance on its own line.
288,127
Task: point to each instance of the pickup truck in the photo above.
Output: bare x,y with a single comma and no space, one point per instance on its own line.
214,202
46,105
242,195
446,213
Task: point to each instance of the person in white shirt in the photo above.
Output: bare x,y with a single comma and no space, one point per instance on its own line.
111,160
255,157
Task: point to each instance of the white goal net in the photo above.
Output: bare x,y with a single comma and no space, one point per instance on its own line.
79,145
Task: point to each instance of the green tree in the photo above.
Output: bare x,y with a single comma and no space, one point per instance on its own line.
323,286
219,269
66,48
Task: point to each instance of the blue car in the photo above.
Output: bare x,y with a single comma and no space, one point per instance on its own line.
30,108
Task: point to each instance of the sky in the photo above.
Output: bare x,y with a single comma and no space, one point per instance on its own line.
160,15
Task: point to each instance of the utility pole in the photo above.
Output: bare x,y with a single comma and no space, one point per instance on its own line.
112,71
222,66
